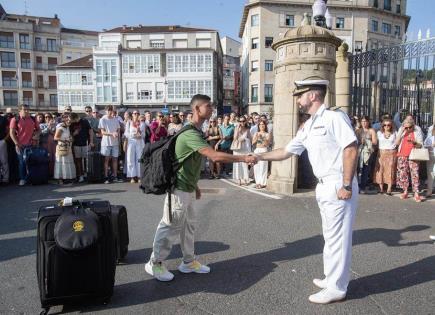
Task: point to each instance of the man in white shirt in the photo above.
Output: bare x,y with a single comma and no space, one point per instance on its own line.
332,149
110,127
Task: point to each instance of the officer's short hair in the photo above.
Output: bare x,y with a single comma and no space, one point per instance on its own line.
320,92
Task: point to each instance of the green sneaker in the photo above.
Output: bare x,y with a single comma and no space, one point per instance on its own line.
194,266
158,271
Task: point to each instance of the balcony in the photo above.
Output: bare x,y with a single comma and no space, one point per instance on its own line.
52,85
28,101
43,103
7,44
51,66
40,85
25,46
8,83
50,48
26,64
45,66
27,84
9,64
268,99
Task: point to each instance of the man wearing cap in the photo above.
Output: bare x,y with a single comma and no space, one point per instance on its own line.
332,149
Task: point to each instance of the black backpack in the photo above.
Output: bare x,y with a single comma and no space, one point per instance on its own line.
159,166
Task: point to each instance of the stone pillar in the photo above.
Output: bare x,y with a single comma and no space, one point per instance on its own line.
306,52
342,79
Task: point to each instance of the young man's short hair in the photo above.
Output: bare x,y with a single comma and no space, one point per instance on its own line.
24,106
88,107
199,98
109,108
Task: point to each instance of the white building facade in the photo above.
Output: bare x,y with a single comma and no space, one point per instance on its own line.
157,68
75,85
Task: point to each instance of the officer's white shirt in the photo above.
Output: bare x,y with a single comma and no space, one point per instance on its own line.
325,135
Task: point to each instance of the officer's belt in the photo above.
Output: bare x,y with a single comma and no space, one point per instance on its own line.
329,178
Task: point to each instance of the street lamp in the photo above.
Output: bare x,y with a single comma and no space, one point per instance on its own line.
319,10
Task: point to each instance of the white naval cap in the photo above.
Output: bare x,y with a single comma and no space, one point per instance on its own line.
306,85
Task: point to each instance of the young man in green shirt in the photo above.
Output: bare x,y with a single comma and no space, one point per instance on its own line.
189,147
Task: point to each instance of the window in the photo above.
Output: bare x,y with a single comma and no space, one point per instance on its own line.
375,26
40,81
358,46
159,90
254,65
24,41
9,79
8,59
397,30
386,28
53,99
203,43
339,22
26,79
189,63
88,98
129,91
51,45
289,20
254,93
375,4
398,7
254,20
186,89
133,44
255,42
86,79
268,65
107,80
144,91
52,63
7,40
38,43
387,5
268,93
268,42
157,43
146,63
10,98
52,84
25,61
179,43
41,99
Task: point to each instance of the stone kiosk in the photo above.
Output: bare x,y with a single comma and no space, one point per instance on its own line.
306,52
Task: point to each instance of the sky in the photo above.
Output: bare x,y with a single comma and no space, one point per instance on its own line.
221,15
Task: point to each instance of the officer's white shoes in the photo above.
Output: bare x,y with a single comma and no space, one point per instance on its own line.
194,266
158,271
320,283
326,296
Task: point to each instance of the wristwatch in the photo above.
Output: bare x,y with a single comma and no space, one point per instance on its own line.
347,187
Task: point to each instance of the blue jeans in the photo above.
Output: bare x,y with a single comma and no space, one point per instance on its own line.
22,169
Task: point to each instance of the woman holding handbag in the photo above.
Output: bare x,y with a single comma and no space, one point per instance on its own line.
407,139
429,143
134,134
64,167
241,145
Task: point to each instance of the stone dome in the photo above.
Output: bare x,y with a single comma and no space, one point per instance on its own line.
307,33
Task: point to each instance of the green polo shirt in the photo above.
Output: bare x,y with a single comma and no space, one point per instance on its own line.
186,152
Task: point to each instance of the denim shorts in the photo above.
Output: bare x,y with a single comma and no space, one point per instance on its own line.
112,151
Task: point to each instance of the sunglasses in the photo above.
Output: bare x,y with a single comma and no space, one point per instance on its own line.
135,113
160,116
408,128
387,125
46,116
242,121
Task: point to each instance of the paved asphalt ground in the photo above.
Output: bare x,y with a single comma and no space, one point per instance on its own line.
263,253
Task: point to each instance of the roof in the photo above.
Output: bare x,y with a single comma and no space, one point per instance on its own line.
84,62
76,31
157,29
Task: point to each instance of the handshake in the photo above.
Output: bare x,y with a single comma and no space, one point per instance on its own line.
251,159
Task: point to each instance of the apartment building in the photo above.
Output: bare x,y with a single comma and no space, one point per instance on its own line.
157,67
231,73
363,24
76,43
75,85
30,50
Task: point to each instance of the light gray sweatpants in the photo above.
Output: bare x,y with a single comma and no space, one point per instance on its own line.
184,221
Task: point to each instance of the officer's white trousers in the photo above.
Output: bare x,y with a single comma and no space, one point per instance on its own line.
337,224
133,154
184,221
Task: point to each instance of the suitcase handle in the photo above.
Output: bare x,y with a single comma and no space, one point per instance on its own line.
70,202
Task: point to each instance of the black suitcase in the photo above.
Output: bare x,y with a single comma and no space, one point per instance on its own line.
37,160
66,277
95,167
120,231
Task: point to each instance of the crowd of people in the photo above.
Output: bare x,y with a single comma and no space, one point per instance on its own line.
389,155
69,137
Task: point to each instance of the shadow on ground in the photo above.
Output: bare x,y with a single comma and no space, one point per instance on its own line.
236,275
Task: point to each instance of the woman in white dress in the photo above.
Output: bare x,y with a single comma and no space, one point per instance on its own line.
262,141
243,136
135,133
64,167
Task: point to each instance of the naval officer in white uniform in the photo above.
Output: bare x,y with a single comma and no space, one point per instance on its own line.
332,149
